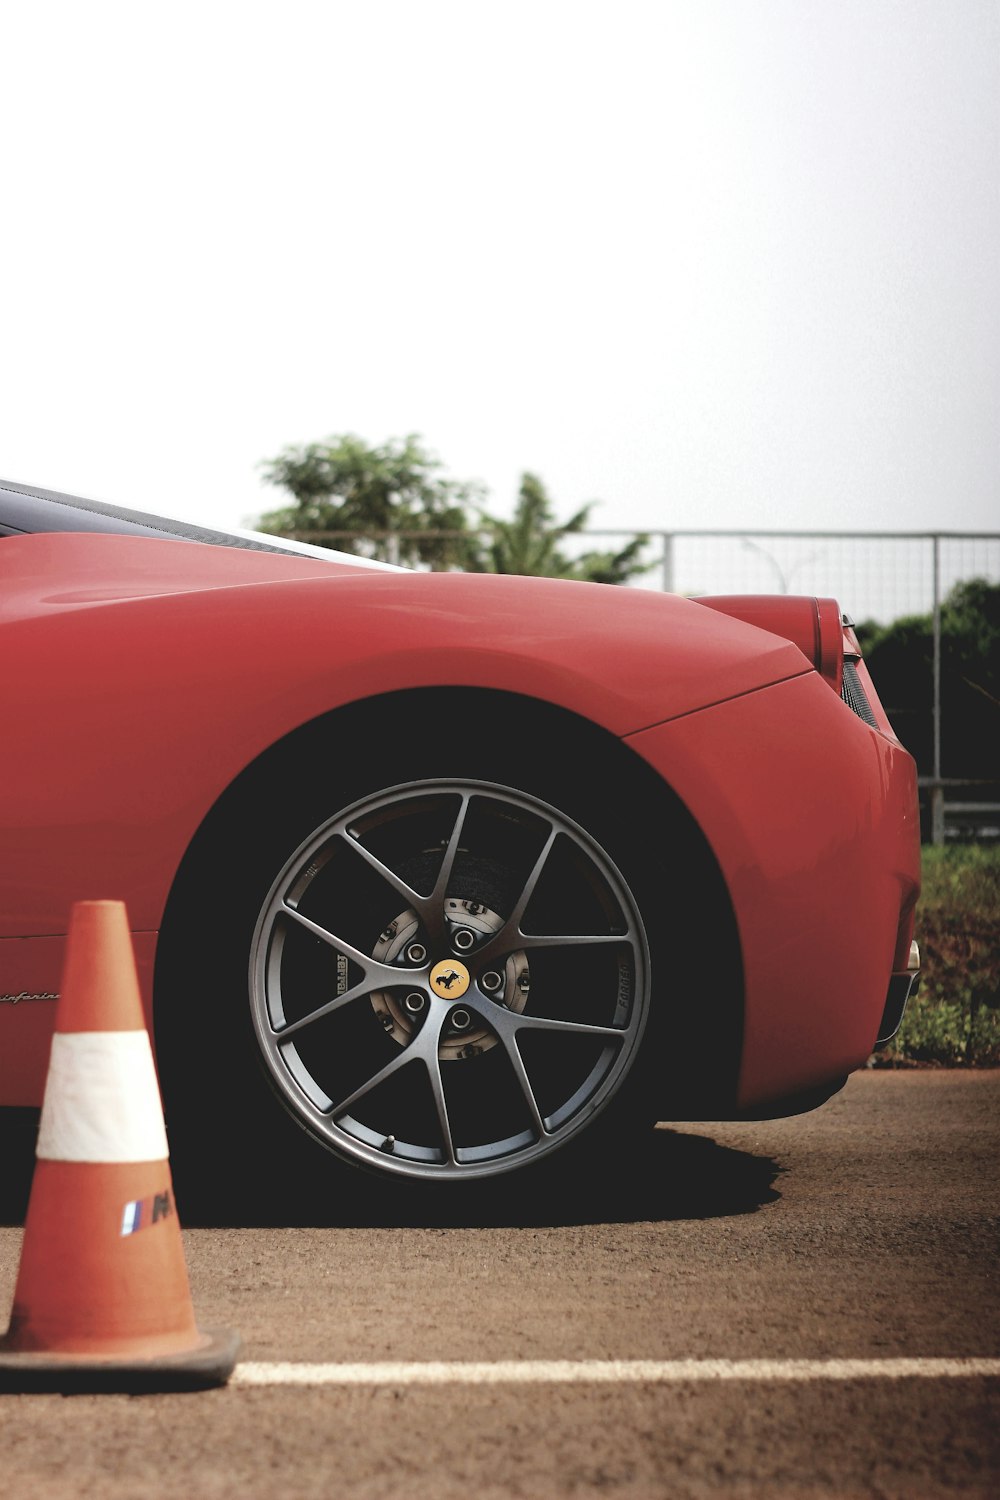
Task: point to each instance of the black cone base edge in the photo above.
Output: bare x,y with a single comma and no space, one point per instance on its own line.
209,1364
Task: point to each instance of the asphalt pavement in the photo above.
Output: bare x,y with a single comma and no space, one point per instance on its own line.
669,1329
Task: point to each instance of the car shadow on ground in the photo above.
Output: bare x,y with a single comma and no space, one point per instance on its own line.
662,1175
666,1175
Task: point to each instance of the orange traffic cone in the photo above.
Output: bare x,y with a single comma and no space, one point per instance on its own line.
102,1299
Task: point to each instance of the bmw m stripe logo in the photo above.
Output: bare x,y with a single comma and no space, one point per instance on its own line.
142,1212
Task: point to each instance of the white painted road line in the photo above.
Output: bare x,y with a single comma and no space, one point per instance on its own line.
610,1371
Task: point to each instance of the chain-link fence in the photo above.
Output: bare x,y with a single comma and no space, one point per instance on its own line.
876,576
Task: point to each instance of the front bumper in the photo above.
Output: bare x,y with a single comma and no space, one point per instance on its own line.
813,818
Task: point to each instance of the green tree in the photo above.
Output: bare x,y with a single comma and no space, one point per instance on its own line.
392,502
900,659
393,496
529,543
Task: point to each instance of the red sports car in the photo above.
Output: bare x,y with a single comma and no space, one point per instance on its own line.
457,872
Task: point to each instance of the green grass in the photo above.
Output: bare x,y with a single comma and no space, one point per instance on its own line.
954,1020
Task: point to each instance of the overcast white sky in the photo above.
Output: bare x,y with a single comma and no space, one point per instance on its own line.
713,262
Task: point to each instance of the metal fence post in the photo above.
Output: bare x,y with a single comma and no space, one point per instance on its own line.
668,562
937,791
937,813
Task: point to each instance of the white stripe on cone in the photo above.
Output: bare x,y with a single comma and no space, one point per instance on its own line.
102,1100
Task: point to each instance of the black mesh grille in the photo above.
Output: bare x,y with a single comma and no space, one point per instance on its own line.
855,696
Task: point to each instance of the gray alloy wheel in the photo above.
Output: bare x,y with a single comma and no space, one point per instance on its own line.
449,980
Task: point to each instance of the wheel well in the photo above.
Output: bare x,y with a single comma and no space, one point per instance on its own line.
582,764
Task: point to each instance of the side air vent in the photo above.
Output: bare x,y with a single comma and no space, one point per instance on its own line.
854,694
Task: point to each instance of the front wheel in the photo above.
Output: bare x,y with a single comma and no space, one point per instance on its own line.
449,979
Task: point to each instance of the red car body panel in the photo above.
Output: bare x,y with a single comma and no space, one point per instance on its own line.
821,855
147,674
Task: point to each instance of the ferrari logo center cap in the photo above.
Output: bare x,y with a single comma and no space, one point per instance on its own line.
450,979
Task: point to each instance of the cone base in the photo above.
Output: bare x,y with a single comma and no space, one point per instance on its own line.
210,1362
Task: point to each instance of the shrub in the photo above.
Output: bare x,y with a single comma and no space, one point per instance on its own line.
955,1017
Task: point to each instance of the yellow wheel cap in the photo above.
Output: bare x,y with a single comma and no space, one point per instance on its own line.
450,979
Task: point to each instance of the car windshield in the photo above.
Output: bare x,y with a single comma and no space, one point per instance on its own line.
25,510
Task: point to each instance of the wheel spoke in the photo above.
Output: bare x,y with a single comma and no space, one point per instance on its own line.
426,1046
509,1043
409,1055
432,908
510,935
422,1049
329,1009
409,895
376,973
510,938
507,1023
528,890
569,939
433,1062
569,1028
